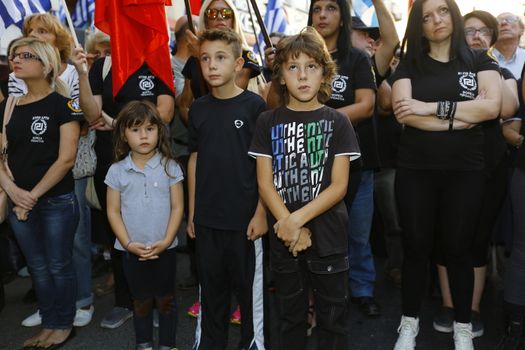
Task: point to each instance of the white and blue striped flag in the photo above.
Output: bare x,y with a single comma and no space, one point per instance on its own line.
15,11
82,17
274,20
366,11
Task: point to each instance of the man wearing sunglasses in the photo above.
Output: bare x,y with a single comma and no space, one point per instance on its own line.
506,49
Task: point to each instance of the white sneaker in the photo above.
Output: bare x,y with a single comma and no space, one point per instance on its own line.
83,317
463,336
33,320
408,330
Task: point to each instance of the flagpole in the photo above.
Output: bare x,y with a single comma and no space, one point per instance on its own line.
189,15
253,27
70,23
72,29
264,32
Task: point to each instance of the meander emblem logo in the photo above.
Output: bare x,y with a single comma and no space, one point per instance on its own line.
467,80
146,83
39,126
339,84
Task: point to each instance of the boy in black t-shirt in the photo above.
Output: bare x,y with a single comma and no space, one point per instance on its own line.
225,215
303,153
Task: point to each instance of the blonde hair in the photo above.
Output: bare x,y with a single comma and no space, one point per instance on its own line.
253,84
50,59
236,27
97,37
63,41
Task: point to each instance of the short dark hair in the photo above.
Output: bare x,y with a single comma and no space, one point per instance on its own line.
309,42
344,40
227,36
489,20
415,46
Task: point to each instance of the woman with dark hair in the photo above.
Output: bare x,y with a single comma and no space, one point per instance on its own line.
481,32
442,91
353,94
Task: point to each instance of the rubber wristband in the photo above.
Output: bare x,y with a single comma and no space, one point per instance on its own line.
127,245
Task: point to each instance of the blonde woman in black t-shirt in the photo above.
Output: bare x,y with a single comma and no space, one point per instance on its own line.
43,135
442,91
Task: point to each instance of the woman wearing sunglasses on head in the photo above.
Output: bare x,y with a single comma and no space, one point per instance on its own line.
216,14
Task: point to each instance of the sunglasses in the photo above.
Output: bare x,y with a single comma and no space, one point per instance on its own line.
226,13
24,56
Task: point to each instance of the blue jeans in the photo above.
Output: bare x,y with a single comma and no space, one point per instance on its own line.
46,239
362,269
82,247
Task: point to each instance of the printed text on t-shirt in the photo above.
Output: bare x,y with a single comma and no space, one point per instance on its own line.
300,151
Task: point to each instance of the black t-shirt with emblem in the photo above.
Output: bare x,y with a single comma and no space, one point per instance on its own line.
355,72
141,85
302,146
221,130
199,87
451,81
33,136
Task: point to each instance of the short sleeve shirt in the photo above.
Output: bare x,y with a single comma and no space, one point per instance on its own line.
220,131
33,136
450,81
141,85
356,72
145,188
303,146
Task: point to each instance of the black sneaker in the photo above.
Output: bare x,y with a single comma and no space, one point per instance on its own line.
513,339
477,324
444,320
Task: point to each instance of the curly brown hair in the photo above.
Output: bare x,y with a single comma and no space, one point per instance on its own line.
134,114
309,42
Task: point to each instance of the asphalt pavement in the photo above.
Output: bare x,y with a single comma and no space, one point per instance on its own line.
366,334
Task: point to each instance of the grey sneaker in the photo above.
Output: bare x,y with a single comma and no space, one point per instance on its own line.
444,320
477,324
116,317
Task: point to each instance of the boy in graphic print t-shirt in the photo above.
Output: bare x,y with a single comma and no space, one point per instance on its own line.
303,153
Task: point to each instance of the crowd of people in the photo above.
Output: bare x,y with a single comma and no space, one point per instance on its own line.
276,172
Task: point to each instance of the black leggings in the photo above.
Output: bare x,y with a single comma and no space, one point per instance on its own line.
445,203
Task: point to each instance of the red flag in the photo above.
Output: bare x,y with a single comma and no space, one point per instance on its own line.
195,6
139,34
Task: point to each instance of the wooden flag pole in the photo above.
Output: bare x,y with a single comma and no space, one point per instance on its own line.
189,16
